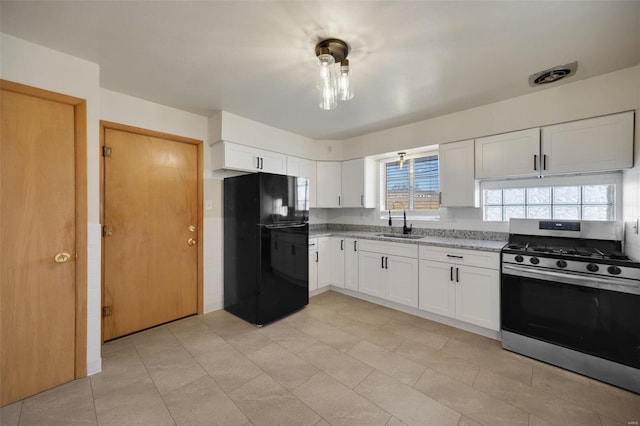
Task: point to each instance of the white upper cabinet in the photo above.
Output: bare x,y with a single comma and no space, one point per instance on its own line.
328,184
597,144
458,185
307,169
593,145
514,154
358,183
228,155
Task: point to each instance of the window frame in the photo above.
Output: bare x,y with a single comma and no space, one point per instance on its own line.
610,178
433,215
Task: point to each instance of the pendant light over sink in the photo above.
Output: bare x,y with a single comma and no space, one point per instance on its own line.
334,78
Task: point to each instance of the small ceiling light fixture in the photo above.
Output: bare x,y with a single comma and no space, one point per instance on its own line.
553,74
401,155
333,84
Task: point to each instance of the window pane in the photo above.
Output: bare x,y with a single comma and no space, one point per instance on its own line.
597,213
493,197
513,212
493,214
514,196
597,194
539,212
566,212
397,189
426,185
566,195
539,196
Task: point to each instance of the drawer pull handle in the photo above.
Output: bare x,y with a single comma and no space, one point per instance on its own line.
454,256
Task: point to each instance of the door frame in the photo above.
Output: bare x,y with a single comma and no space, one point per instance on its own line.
109,125
80,160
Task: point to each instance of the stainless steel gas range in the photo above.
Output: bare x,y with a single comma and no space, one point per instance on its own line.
571,298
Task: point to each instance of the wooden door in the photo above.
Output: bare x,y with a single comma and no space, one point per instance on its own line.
151,213
40,138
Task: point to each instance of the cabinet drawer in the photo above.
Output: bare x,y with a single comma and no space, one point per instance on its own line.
482,259
394,249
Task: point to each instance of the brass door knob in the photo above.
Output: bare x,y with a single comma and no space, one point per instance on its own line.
62,257
191,242
192,228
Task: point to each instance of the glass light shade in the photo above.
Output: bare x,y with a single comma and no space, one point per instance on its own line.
345,83
327,85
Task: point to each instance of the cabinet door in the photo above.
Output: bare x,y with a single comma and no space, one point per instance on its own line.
508,155
313,268
437,288
372,277
358,183
272,162
478,296
351,263
596,144
302,167
240,157
402,280
337,261
324,261
328,189
458,184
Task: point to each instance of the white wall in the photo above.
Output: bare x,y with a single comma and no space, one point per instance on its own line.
631,194
34,65
232,128
606,94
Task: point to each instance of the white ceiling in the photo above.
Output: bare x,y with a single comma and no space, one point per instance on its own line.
411,59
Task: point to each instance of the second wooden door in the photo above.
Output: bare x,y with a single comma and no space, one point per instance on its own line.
150,239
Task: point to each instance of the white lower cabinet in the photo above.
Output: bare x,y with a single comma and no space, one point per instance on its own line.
461,291
324,261
437,290
337,261
402,280
386,275
371,274
313,264
478,296
351,263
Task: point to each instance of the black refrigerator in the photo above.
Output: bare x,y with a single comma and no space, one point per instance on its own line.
266,237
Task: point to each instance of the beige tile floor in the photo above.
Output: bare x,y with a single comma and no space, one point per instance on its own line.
340,361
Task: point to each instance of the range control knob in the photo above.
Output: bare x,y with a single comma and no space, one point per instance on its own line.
519,258
592,267
561,264
614,270
534,260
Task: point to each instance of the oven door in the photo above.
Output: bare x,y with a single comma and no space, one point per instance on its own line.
592,320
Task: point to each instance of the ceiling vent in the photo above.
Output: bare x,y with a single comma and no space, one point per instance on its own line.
553,74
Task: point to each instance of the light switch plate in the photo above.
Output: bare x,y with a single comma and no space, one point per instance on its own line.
208,204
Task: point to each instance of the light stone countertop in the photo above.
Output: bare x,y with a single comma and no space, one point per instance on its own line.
459,243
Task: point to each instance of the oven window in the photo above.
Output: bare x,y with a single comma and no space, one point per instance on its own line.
598,322
566,202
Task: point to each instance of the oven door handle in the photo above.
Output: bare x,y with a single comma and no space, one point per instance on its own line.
609,283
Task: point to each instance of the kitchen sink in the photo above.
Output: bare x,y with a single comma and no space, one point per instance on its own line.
407,236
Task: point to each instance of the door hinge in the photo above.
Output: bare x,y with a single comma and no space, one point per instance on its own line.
106,151
106,311
107,231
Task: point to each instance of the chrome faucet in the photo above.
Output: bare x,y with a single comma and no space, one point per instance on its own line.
406,229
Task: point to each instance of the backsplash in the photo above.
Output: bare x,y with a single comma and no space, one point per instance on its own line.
428,232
